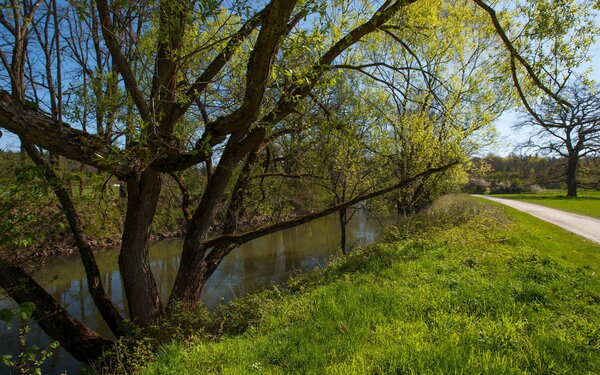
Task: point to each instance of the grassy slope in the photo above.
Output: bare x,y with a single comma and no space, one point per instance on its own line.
475,289
588,202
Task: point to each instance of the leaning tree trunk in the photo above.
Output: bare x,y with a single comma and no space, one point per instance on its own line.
572,176
94,281
81,342
140,287
191,276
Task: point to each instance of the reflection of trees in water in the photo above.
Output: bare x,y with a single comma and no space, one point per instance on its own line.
272,258
290,255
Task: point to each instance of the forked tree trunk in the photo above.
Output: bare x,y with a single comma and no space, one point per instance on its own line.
194,270
572,176
142,295
81,342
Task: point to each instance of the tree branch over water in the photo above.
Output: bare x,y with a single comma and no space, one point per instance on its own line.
242,238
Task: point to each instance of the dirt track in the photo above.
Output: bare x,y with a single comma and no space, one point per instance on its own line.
581,225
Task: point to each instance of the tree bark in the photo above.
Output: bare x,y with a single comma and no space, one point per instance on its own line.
81,342
140,287
234,212
192,269
42,130
572,176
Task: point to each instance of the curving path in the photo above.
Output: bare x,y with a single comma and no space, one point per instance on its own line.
581,225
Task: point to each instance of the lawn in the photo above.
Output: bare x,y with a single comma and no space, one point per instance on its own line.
466,287
587,203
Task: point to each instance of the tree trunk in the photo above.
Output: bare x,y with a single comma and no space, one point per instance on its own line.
400,207
81,342
343,222
572,176
122,189
142,295
105,306
193,269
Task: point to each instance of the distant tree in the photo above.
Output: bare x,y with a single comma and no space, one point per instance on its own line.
573,132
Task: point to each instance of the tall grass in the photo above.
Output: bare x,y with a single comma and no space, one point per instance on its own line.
456,290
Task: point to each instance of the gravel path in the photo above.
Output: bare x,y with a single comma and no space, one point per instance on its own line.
581,225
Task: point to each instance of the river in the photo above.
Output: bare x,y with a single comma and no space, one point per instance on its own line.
257,264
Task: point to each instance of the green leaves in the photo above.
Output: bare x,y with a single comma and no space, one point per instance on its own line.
29,173
24,311
554,37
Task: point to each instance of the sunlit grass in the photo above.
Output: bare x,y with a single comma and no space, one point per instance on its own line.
587,203
565,247
471,288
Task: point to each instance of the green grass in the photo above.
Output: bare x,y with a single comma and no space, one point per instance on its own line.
587,203
467,287
564,247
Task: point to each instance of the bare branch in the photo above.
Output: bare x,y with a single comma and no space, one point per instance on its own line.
515,54
121,61
513,69
216,65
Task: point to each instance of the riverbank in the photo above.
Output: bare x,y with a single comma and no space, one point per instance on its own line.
258,264
465,286
56,244
38,256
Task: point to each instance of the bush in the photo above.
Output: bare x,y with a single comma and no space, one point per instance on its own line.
449,211
477,186
138,346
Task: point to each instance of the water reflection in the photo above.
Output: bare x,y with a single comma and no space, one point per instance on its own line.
256,264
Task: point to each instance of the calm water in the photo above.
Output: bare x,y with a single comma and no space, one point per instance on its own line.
257,264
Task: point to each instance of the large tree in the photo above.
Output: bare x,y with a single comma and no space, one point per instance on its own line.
572,132
178,83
